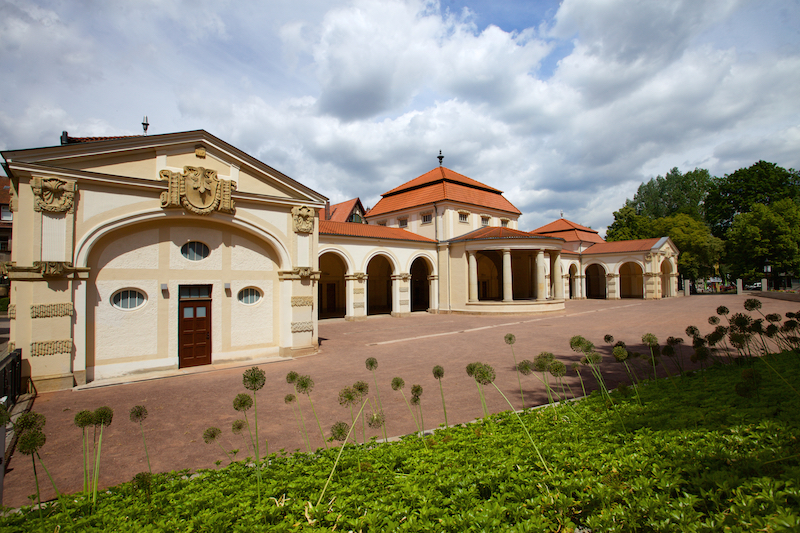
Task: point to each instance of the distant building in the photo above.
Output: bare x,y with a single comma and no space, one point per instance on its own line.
144,253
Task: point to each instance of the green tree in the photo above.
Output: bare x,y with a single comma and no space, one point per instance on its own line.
762,183
768,233
700,251
672,194
628,225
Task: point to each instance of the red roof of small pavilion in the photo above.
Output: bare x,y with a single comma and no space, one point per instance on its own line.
569,231
636,245
494,232
353,229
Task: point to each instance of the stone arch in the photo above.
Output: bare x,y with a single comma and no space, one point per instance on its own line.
420,284
490,275
332,288
380,284
631,280
595,281
666,279
574,290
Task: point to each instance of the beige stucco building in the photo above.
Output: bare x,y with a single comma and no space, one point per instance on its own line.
147,253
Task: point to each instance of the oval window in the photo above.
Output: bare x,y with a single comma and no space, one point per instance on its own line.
128,299
249,296
194,251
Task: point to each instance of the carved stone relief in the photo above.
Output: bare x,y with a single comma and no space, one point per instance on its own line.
198,190
303,217
40,349
52,310
54,195
300,327
302,301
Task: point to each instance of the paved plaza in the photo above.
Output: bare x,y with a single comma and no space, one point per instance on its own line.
182,406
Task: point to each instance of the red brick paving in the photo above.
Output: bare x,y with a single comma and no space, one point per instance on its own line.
181,408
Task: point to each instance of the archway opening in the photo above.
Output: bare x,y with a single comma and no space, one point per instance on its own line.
420,286
631,281
332,288
379,286
666,279
573,279
595,282
490,275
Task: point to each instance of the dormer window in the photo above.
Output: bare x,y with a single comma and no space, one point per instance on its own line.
504,222
402,222
463,216
485,221
427,218
381,222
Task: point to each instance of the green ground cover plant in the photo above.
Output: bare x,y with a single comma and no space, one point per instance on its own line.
699,457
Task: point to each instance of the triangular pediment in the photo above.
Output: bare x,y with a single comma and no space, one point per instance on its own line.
144,157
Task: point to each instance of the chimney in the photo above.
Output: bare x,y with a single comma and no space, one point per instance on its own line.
64,138
327,209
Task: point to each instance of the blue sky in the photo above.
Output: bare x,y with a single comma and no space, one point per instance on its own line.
563,105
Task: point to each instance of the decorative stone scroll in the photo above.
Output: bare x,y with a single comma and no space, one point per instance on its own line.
300,327
12,311
402,277
198,190
302,301
53,268
299,273
358,305
303,217
43,268
358,290
41,349
358,276
52,310
53,195
611,275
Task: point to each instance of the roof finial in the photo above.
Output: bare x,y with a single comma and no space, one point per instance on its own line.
145,124
562,213
440,157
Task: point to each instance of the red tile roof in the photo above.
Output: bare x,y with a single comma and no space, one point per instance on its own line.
341,212
438,185
352,229
494,232
5,190
66,139
637,245
569,231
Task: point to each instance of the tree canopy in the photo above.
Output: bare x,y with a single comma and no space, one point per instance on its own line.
762,183
768,234
673,193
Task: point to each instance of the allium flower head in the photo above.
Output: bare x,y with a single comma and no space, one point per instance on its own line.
291,377
594,358
751,304
649,339
668,350
510,338
416,390
609,339
674,341
576,367
438,372
525,367
211,434
713,320
542,361
471,369
484,374
103,416
84,419
31,441
414,400
253,379
31,421
340,430
692,331
773,317
304,385
398,383
620,343
138,413
698,341
371,363
722,310
376,420
348,396
238,426
757,326
772,330
789,325
558,369
619,353
361,387
741,321
578,344
289,398
242,402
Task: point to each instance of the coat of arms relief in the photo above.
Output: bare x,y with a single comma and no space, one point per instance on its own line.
198,190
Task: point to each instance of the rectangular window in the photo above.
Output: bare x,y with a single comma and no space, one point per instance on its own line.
402,222
463,217
382,223
427,218
485,221
504,223
5,213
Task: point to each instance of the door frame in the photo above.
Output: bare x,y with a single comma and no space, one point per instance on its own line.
193,301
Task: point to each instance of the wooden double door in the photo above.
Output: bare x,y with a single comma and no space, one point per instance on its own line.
194,326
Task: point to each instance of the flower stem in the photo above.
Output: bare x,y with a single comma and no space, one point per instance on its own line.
544,463
443,406
341,449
